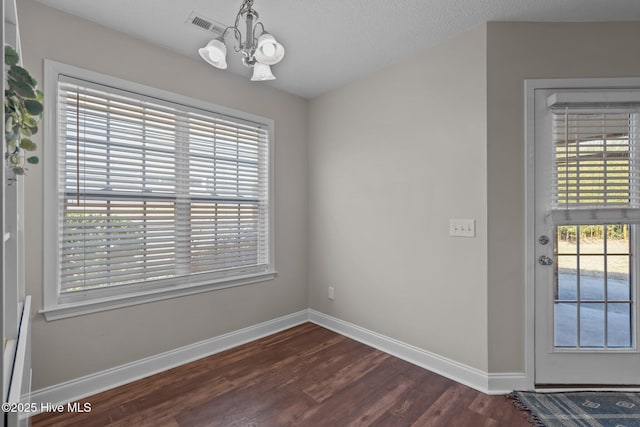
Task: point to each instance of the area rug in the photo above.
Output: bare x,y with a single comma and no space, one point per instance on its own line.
580,409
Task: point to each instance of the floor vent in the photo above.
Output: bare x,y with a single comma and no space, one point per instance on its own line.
207,24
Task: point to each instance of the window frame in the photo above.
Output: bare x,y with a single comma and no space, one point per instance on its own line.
605,105
530,116
56,307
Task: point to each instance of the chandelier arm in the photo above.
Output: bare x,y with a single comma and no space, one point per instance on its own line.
238,36
224,33
261,32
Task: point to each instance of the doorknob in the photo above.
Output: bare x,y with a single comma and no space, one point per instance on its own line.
545,260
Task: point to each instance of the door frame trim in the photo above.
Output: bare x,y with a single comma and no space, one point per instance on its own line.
530,86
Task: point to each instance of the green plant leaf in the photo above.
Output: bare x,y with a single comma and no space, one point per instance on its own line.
23,108
14,102
11,105
28,145
21,75
17,117
10,55
23,89
29,121
33,107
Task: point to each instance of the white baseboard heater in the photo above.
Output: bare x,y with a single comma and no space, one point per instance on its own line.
20,379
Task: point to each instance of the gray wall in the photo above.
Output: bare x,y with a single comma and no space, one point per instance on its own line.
436,136
69,348
392,157
518,51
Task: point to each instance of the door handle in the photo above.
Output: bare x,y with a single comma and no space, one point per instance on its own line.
545,260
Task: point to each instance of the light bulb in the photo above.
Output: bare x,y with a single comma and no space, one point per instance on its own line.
268,49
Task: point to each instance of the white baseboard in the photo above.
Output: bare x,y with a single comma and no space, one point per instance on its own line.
506,382
79,388
88,385
484,382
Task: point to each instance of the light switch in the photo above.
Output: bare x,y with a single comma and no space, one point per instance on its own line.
462,227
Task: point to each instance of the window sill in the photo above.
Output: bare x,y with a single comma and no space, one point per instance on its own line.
61,311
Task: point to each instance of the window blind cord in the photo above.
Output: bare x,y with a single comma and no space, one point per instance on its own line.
566,151
78,148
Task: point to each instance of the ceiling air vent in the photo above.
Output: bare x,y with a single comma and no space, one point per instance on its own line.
202,23
207,24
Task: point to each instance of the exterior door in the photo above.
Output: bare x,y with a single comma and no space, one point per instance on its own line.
586,270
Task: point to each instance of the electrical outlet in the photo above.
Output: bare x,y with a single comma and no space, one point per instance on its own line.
331,293
462,227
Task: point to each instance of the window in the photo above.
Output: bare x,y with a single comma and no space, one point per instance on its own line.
595,207
596,149
595,153
154,194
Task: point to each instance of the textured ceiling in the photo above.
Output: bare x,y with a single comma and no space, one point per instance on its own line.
331,42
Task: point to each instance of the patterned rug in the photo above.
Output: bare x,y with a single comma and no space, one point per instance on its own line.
580,409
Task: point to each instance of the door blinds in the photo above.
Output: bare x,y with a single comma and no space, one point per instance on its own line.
596,166
156,193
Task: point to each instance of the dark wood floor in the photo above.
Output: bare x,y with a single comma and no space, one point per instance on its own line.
304,376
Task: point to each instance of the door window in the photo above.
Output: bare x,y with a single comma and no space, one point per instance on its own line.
593,295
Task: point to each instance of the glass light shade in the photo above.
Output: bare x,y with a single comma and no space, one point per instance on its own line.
262,72
269,51
215,53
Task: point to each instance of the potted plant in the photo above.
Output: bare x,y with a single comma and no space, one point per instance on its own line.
22,113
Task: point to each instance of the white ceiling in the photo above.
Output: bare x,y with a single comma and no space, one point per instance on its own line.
331,42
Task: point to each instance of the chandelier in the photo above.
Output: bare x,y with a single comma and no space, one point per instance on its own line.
258,51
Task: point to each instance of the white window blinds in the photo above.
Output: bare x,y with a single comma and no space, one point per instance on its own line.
154,193
596,165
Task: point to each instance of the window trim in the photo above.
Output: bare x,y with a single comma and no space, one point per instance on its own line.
55,309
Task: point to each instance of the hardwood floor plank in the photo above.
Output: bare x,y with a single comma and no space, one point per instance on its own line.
494,407
465,417
410,406
243,403
360,402
327,362
351,373
304,376
444,408
369,414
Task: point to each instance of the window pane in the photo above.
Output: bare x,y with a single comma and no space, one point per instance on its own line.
618,278
591,239
592,325
566,325
567,280
619,326
567,239
592,277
